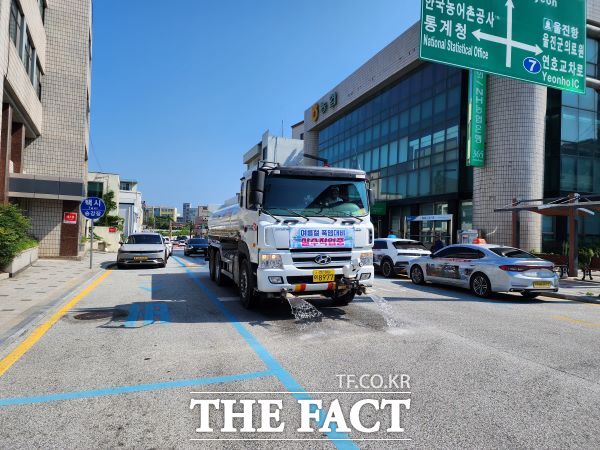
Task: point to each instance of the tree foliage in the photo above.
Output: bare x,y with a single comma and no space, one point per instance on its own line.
108,220
14,233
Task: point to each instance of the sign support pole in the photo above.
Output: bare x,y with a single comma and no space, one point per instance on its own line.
92,244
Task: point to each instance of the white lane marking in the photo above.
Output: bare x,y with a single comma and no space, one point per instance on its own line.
229,299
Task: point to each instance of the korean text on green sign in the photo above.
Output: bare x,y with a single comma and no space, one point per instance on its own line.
540,41
476,125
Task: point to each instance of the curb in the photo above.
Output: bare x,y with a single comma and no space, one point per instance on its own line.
574,298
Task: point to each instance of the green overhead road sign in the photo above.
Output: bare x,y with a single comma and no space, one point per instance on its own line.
540,41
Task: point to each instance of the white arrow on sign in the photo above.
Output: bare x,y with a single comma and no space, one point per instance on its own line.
508,40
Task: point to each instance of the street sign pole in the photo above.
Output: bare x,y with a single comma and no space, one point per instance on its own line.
92,245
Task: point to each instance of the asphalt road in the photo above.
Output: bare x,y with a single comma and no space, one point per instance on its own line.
499,373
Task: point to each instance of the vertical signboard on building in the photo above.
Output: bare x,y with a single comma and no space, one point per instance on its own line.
539,41
476,118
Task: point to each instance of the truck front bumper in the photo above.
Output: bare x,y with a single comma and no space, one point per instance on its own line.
292,279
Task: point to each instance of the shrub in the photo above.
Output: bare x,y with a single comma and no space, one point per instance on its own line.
14,233
585,256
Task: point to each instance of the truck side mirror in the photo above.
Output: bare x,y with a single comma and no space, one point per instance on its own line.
257,182
256,198
371,197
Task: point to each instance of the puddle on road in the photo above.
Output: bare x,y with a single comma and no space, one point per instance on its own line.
309,319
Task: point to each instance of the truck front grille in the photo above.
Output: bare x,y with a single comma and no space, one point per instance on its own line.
307,260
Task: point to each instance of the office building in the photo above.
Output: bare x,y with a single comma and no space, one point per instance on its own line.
403,120
45,56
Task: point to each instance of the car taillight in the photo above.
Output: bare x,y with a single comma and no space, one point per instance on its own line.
516,268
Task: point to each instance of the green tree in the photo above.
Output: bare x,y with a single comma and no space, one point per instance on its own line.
108,220
162,222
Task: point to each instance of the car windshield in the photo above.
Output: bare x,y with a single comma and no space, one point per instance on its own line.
144,239
509,252
197,241
409,245
316,196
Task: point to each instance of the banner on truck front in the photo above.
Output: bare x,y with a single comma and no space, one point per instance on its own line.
321,238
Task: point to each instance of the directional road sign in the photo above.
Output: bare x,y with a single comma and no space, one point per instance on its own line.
93,208
540,41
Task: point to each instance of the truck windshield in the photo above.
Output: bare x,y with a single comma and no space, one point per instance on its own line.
316,196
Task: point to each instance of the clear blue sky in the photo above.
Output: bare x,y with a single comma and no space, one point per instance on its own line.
182,89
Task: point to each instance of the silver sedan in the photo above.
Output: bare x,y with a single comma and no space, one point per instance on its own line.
486,269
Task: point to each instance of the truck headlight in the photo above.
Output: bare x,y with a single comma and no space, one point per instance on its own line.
366,259
270,261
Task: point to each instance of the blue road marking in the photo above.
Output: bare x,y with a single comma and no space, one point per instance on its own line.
132,389
134,312
152,312
272,364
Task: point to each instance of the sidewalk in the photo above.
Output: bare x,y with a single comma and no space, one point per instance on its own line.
577,290
38,288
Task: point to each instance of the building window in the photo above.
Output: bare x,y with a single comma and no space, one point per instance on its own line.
406,136
579,141
24,46
38,81
125,186
466,215
16,24
95,189
42,6
28,58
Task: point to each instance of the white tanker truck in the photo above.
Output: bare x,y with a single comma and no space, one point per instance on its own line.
295,230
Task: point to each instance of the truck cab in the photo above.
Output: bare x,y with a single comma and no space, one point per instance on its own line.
295,231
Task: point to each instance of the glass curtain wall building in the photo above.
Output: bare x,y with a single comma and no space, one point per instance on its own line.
573,154
408,138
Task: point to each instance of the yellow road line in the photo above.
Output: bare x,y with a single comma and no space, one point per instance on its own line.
40,331
584,323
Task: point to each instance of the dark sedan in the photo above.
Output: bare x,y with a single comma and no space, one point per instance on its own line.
196,246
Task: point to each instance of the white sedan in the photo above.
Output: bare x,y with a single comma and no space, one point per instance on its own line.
486,269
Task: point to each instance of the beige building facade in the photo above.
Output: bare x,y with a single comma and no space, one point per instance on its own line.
45,56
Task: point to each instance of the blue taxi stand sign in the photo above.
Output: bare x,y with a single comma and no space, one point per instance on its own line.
92,208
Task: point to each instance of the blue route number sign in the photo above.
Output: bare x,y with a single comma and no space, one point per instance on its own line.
93,208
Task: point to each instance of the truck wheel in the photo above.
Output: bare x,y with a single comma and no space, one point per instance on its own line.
387,268
247,296
211,265
219,279
344,299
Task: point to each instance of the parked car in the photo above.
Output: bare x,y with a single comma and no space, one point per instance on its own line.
486,269
196,246
142,249
168,244
391,256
